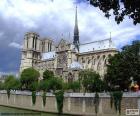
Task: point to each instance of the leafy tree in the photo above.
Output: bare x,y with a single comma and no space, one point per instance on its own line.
34,86
59,95
11,83
48,74
43,85
29,76
75,86
54,84
120,8
123,66
1,86
91,81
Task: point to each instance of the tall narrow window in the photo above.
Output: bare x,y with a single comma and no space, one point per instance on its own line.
35,42
42,46
27,42
48,47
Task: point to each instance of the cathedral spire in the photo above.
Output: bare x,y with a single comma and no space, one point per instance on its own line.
76,32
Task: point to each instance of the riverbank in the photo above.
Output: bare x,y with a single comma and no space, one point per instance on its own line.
74,103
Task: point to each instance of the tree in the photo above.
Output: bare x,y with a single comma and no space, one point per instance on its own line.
75,86
121,8
124,65
11,83
47,74
29,76
1,86
91,81
54,84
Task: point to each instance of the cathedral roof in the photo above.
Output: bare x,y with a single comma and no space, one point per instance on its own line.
48,55
75,65
96,45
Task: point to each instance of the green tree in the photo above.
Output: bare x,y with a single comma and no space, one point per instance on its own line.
120,8
59,95
54,84
43,85
11,83
1,86
47,74
124,65
29,76
75,86
91,81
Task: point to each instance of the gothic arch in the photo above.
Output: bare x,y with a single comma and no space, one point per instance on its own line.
70,77
104,64
99,64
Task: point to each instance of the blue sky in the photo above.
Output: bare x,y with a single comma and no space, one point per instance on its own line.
54,18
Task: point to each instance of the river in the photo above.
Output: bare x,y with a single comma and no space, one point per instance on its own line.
8,111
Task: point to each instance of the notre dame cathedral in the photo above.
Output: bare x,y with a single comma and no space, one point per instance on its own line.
66,59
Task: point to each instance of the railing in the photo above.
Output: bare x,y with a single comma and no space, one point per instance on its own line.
107,94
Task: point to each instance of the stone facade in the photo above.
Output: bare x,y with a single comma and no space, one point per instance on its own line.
66,58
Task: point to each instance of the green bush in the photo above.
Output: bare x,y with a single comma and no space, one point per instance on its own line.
8,93
29,76
47,74
116,98
59,95
33,97
44,98
96,102
75,86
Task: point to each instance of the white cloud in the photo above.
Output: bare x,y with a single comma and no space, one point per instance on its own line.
15,45
57,17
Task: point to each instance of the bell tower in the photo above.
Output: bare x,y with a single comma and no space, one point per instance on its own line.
30,53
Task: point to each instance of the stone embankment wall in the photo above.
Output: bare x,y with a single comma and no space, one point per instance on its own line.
74,103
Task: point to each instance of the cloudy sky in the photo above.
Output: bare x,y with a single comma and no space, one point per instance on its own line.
55,18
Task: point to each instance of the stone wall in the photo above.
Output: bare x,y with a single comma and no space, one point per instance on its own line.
74,103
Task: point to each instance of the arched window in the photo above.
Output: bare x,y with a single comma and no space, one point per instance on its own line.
103,57
70,78
89,61
109,55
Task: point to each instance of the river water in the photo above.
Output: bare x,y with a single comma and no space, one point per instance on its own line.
8,111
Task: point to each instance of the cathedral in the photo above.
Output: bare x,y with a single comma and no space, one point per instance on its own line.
66,59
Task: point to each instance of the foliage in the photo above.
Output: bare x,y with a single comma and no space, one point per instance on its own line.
59,99
8,93
91,81
48,74
111,99
33,86
121,8
116,99
29,76
44,98
124,65
54,84
43,85
1,86
96,102
11,83
33,97
75,86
